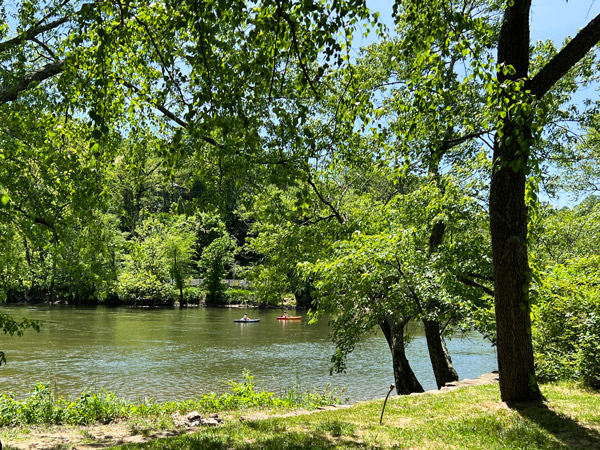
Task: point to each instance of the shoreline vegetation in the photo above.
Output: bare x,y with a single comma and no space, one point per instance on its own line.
194,296
468,414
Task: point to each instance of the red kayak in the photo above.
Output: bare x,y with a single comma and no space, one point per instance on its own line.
290,318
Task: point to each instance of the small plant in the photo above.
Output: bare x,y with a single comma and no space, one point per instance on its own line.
87,437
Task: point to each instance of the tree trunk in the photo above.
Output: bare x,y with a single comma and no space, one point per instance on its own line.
304,297
404,377
438,354
508,220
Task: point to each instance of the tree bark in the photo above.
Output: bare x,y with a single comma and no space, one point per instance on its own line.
404,377
438,354
441,362
508,220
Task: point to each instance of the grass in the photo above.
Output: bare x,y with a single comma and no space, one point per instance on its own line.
468,418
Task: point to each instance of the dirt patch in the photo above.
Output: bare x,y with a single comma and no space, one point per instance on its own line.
85,437
486,378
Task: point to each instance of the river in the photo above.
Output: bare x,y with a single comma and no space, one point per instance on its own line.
173,354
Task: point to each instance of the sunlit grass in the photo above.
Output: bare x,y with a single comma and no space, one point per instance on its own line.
468,418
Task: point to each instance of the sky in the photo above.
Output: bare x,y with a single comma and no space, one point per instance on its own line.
554,19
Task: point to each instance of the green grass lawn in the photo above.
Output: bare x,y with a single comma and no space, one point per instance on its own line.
467,418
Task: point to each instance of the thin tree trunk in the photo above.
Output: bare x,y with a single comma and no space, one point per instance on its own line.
438,354
404,377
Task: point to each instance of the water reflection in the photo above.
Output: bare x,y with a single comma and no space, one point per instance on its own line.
175,354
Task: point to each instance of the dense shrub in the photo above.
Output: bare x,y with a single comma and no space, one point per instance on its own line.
194,295
566,327
239,296
144,288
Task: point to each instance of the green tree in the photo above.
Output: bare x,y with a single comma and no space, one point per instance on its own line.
519,97
160,254
566,326
216,258
565,296
375,267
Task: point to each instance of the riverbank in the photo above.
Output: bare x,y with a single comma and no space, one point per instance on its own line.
168,297
468,415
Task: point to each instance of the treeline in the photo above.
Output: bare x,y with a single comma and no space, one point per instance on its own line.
131,232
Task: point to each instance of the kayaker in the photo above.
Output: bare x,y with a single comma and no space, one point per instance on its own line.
245,317
285,314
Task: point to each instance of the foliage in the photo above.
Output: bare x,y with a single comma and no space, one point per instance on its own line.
159,254
216,257
143,288
11,327
567,322
43,407
565,294
240,296
387,266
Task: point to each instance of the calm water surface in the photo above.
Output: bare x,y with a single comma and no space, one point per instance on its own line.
172,354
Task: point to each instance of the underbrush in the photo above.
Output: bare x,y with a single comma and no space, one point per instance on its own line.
42,406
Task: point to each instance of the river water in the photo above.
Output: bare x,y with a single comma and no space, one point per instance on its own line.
173,354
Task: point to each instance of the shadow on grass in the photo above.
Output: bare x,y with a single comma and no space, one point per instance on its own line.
567,431
282,439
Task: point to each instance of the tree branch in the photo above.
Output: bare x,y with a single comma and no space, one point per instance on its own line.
290,22
447,144
469,282
564,60
10,93
174,117
335,212
31,33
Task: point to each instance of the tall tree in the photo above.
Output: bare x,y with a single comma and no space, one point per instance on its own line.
519,93
518,108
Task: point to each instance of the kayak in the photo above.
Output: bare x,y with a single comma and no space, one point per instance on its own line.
246,320
290,318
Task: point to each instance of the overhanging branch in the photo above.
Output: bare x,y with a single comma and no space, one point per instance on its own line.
31,33
11,93
564,60
323,200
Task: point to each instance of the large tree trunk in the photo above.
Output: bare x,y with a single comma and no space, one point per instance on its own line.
438,354
404,377
508,221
